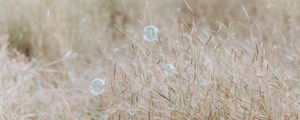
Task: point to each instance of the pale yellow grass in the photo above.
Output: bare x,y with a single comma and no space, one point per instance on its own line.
234,59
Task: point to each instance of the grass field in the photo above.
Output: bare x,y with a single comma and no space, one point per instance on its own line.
229,59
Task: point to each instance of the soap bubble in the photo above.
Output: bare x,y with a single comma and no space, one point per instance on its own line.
169,69
151,33
97,87
131,112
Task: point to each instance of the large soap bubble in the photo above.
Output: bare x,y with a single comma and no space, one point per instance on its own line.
97,87
169,69
151,33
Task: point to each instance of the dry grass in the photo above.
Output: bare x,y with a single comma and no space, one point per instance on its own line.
234,59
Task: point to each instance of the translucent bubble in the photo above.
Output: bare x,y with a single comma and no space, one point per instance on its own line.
169,70
97,87
131,112
151,33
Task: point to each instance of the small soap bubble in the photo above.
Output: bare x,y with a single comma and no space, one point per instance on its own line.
151,33
97,87
131,112
169,69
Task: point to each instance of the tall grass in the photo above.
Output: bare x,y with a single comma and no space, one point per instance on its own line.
234,59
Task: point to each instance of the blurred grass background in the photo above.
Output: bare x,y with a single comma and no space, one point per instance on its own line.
248,49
